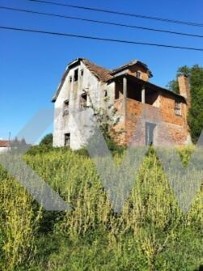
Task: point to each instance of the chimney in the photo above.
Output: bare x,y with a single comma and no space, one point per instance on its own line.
184,87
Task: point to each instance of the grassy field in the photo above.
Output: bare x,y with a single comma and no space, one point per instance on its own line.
151,232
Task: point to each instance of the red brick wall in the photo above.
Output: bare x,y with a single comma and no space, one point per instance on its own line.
144,75
170,127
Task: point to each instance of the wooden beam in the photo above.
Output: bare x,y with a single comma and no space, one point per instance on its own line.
125,87
143,95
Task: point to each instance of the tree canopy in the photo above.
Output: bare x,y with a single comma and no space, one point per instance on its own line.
47,140
195,116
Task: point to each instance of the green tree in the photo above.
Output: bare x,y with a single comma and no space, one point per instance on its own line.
195,116
47,140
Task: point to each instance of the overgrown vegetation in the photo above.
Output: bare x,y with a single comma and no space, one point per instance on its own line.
195,117
150,234
106,119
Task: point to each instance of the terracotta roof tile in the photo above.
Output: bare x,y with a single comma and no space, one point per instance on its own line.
100,72
4,143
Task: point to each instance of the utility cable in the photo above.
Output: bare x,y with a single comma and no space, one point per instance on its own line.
119,13
100,22
99,38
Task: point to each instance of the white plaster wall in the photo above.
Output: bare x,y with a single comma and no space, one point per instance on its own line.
78,123
59,120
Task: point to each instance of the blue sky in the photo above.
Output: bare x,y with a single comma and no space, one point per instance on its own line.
32,64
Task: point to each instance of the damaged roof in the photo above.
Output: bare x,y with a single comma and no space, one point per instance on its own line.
101,73
130,64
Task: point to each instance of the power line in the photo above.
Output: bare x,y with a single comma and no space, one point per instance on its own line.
120,13
99,38
100,22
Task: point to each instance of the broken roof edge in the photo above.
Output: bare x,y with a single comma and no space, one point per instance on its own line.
130,64
147,83
99,72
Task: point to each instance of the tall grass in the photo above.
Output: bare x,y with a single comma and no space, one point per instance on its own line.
151,232
18,224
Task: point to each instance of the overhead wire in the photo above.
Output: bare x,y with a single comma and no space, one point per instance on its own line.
120,13
98,38
99,21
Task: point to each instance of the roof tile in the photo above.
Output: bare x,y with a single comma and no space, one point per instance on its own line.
100,72
4,143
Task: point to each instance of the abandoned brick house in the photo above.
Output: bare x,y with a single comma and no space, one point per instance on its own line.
152,113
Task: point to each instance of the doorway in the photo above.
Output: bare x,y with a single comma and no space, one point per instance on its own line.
149,133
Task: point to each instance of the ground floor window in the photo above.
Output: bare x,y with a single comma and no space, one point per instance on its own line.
67,139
